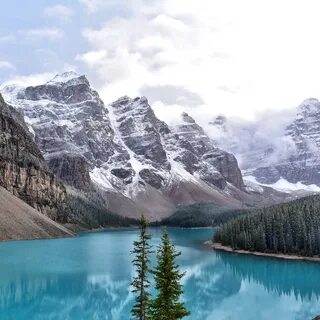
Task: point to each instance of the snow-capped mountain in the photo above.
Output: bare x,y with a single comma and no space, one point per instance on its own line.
138,162
290,161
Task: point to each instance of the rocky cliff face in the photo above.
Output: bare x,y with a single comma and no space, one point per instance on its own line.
72,169
23,171
201,157
137,161
293,163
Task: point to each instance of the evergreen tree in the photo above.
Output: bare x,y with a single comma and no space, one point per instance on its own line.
167,305
141,283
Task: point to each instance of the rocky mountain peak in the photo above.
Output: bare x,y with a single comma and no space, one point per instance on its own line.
309,106
69,78
66,88
186,118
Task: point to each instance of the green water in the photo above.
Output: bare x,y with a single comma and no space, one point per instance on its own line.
88,278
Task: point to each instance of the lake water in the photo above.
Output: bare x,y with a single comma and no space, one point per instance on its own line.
88,278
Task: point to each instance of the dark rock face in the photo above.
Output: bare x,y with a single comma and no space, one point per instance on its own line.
71,127
200,156
62,93
80,128
23,171
140,129
151,177
73,170
154,143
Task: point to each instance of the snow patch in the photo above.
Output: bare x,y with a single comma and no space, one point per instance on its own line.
101,177
284,185
64,77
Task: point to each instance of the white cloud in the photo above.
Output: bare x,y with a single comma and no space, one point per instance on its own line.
92,58
238,56
7,38
46,32
6,65
94,5
60,11
29,80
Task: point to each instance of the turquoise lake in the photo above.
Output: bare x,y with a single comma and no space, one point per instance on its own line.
89,278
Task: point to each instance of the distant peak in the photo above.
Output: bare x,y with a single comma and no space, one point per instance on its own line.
124,100
187,118
310,105
66,77
220,120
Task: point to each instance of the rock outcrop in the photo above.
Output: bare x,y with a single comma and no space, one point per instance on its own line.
72,169
23,171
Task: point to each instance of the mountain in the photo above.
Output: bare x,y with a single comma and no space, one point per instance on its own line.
26,175
23,171
136,162
29,193
290,162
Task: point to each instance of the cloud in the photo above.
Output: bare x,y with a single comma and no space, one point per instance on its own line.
170,95
227,89
59,11
6,65
227,53
29,80
46,32
94,5
92,58
143,51
262,141
7,38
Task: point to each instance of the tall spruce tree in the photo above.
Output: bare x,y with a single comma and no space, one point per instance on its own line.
141,283
167,305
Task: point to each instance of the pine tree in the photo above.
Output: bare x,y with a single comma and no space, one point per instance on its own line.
167,305
141,283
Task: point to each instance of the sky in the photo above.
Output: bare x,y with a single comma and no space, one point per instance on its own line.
207,57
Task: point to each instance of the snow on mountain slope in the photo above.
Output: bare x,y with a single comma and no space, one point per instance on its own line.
139,162
286,186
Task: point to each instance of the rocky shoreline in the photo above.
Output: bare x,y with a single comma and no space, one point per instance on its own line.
219,246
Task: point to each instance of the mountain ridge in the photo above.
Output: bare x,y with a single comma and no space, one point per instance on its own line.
124,150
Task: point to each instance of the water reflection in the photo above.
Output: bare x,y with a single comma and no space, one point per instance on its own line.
38,280
65,297
278,276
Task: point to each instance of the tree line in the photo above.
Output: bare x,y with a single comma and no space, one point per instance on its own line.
166,305
289,228
200,215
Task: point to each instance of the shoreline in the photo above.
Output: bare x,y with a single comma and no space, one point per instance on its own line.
220,247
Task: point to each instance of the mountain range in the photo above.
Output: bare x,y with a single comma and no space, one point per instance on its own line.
82,162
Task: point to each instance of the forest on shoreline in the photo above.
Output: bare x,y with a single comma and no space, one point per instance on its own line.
288,228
